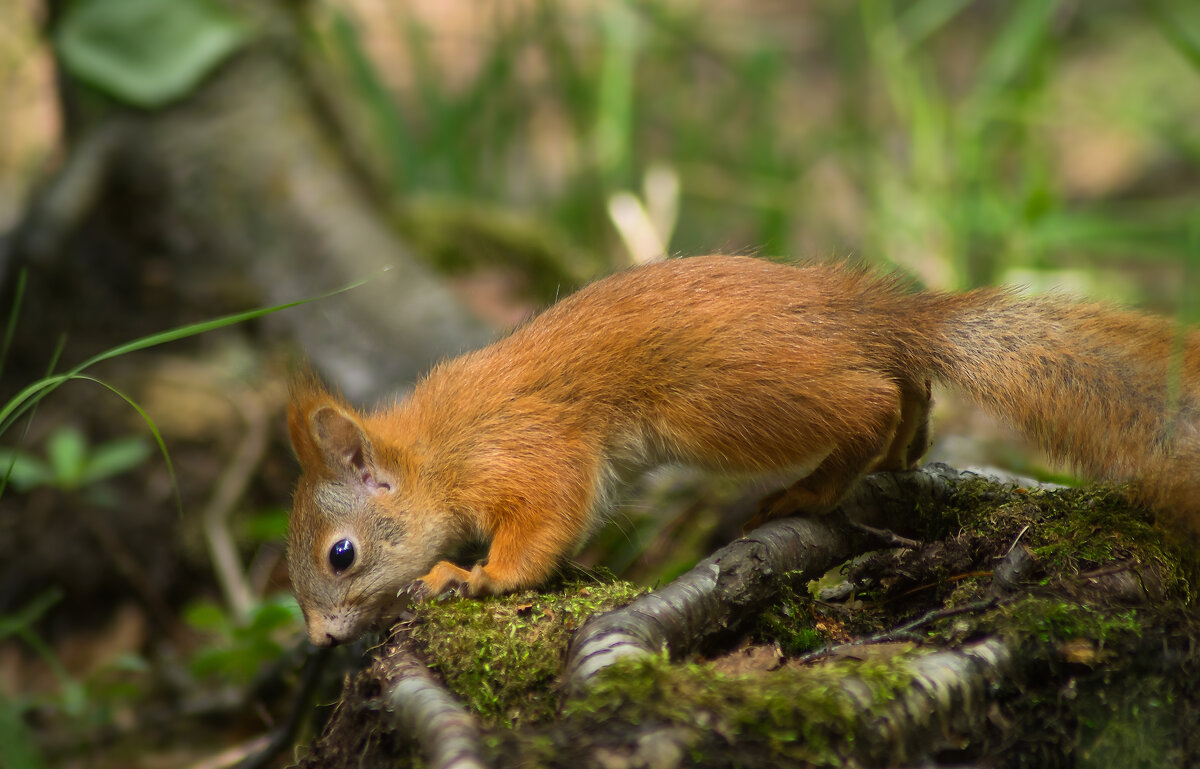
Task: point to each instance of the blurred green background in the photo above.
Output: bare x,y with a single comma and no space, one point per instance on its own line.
1050,144
1042,142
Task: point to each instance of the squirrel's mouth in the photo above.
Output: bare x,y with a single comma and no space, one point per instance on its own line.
399,607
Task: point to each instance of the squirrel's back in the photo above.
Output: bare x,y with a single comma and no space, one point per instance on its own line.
727,362
742,364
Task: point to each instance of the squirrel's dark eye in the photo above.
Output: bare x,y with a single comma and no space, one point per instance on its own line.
341,555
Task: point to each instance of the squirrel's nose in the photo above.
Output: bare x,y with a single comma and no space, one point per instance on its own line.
323,638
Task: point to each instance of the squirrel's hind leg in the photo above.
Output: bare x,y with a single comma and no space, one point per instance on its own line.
896,441
912,435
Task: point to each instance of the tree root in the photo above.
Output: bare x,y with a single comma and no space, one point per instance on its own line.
737,579
946,702
711,598
448,735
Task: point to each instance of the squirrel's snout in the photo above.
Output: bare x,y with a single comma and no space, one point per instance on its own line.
333,628
322,637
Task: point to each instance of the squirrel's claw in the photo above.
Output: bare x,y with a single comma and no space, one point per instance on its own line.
415,592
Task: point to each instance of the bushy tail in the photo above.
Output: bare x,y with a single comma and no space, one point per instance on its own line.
1113,391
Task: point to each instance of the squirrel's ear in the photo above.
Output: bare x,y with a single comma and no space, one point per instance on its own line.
328,438
339,437
345,447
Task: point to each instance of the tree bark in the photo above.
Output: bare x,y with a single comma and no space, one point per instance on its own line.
242,194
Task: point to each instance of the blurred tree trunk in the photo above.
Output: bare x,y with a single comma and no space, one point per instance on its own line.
241,194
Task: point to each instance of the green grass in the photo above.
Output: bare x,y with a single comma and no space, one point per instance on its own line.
71,465
937,135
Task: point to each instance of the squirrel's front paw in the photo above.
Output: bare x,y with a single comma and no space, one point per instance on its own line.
445,578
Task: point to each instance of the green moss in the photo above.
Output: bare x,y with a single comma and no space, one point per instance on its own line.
797,713
1086,528
1051,621
1069,531
969,497
790,623
503,655
1132,722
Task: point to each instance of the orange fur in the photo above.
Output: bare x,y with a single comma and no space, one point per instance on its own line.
729,363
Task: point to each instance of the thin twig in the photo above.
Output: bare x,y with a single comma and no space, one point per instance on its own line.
903,632
228,491
889,537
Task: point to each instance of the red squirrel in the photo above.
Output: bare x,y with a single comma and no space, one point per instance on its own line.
729,363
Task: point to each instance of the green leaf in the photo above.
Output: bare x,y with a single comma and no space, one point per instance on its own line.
213,660
129,663
206,615
162,446
147,52
270,616
67,451
115,457
27,472
269,525
21,619
74,698
17,747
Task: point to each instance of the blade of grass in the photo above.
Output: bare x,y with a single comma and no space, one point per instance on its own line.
615,103
162,446
20,624
22,401
1174,29
396,139
1016,45
18,296
62,342
922,20
476,114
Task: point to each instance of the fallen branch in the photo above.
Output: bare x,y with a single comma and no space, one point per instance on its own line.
902,710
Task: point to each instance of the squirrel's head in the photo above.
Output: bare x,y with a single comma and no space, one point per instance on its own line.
352,544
